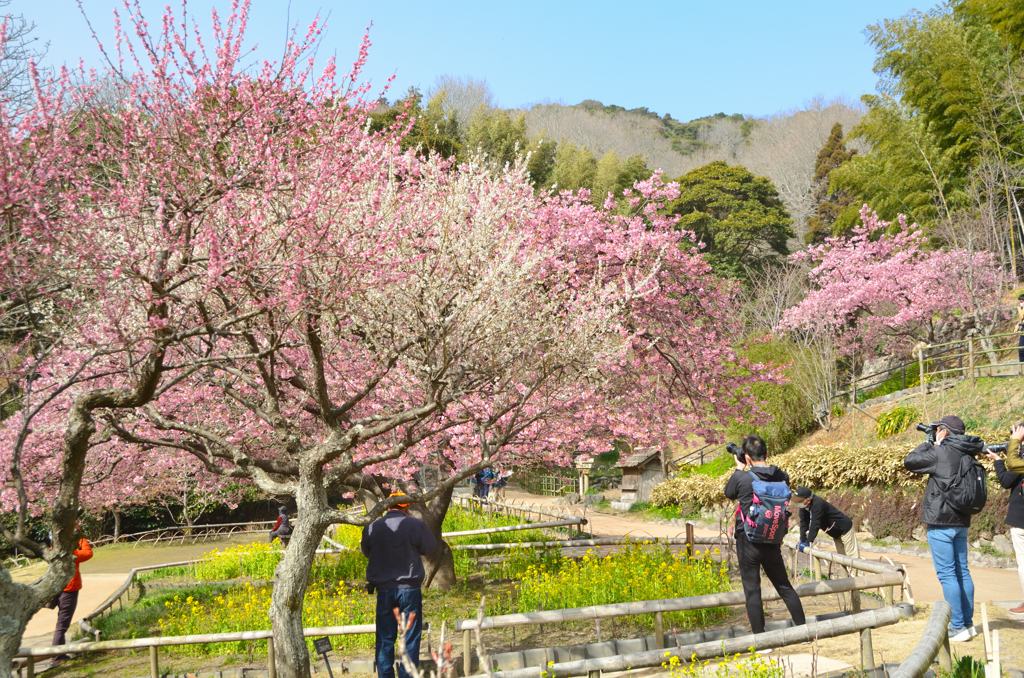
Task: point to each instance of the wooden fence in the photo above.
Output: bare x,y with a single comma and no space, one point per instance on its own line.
972,357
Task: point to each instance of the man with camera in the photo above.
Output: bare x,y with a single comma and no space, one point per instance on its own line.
1011,476
755,552
948,457
393,545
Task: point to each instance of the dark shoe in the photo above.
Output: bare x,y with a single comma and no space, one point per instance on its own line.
59,659
1018,610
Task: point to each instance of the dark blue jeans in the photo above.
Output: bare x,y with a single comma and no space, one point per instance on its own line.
407,601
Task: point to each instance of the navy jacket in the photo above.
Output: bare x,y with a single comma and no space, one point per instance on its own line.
393,545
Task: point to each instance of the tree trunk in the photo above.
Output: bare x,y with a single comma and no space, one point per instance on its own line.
117,524
19,606
291,578
439,565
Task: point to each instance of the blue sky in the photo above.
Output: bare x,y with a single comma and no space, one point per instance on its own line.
685,58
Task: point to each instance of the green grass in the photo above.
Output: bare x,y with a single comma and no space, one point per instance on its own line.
892,384
896,421
647,508
717,467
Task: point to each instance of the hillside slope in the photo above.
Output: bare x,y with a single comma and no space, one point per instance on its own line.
988,409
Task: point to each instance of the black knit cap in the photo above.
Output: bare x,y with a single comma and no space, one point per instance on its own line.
953,424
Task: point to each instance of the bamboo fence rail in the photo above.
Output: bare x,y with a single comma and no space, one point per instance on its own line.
934,642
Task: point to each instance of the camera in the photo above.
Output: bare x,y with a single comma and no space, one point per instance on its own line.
736,451
928,430
370,588
998,448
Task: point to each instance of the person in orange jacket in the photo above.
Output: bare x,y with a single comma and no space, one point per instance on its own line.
68,600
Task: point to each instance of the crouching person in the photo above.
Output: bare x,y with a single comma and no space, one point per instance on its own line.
817,514
758,539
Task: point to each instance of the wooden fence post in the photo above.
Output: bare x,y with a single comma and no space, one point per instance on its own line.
945,658
924,388
659,631
867,653
970,356
154,662
467,654
271,665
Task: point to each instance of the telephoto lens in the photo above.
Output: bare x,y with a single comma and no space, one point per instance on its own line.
736,451
998,448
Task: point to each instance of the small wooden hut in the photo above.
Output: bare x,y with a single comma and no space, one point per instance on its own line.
641,472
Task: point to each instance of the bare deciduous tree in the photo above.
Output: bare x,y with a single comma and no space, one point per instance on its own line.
462,97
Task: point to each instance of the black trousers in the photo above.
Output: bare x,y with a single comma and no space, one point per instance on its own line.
66,605
752,558
1020,349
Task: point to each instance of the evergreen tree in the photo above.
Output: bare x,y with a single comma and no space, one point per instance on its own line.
433,130
831,204
738,216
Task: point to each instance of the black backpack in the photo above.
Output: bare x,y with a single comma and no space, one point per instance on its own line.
966,492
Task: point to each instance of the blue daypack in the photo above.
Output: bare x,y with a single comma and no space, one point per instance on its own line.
768,520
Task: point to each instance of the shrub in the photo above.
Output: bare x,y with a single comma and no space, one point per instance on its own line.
896,421
696,489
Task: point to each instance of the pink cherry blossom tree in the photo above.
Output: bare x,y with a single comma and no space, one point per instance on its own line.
250,279
108,193
883,288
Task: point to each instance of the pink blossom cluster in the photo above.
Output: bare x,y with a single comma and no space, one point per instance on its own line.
884,288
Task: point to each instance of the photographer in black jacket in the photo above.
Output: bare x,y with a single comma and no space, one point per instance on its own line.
1012,480
817,514
947,527
753,557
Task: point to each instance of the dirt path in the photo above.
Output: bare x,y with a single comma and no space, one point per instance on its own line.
105,572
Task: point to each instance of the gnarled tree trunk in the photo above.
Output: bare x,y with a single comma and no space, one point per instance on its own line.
291,578
439,565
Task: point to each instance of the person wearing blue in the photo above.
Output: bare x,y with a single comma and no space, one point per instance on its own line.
393,545
947,527
484,479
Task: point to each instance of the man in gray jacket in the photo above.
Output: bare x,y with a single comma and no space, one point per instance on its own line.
947,527
393,545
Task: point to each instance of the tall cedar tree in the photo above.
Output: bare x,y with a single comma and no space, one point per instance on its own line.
830,204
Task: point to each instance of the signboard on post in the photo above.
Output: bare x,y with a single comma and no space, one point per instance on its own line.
322,646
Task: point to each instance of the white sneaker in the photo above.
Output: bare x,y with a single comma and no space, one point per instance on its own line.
960,636
973,631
